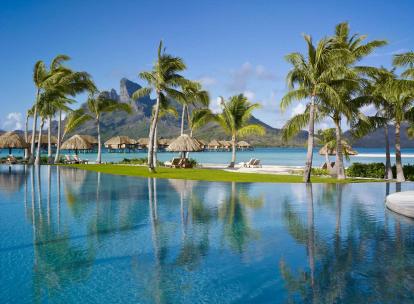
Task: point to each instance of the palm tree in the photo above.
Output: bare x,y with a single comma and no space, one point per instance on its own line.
312,77
198,118
29,113
59,81
163,80
405,60
193,96
353,50
234,119
375,94
98,104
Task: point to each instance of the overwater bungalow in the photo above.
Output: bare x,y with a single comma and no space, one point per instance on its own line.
120,144
142,143
244,145
213,145
225,145
43,140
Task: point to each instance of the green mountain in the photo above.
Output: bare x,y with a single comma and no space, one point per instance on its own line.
136,125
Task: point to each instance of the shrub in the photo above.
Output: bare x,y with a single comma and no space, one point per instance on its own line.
408,172
319,171
193,162
373,170
138,161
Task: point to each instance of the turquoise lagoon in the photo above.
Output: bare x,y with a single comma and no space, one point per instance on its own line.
71,236
268,156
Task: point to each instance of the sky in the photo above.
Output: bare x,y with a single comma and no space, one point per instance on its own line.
231,47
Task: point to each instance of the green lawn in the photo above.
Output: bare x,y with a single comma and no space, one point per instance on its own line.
209,174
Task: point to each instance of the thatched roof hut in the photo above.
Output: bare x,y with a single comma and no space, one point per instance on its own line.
12,140
184,143
143,141
118,141
214,144
76,142
243,144
225,144
332,151
43,139
91,139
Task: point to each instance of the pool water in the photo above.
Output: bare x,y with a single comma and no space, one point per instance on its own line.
71,236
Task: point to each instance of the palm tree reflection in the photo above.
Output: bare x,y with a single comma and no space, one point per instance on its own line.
232,211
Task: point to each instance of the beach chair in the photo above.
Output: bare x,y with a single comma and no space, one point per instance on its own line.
68,160
79,161
256,164
177,162
249,163
169,163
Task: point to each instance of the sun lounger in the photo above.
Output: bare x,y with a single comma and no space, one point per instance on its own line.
173,163
79,161
249,163
256,164
68,160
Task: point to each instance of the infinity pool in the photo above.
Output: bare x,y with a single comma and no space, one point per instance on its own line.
71,236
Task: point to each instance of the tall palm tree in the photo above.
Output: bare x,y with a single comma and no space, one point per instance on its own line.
353,49
234,119
375,94
193,96
43,79
311,78
98,104
163,80
59,79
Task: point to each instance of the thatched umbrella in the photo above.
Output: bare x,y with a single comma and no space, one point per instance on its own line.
91,139
76,142
332,151
118,141
12,140
184,143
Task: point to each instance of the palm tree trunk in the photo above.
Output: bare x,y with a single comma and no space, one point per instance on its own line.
98,127
233,151
155,147
309,154
182,119
151,135
32,145
49,141
398,163
339,163
328,162
58,137
26,126
388,170
39,143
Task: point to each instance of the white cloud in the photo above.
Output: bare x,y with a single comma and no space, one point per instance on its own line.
298,109
13,121
249,94
207,81
240,77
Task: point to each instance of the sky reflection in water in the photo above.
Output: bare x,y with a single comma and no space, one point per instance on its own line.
83,236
